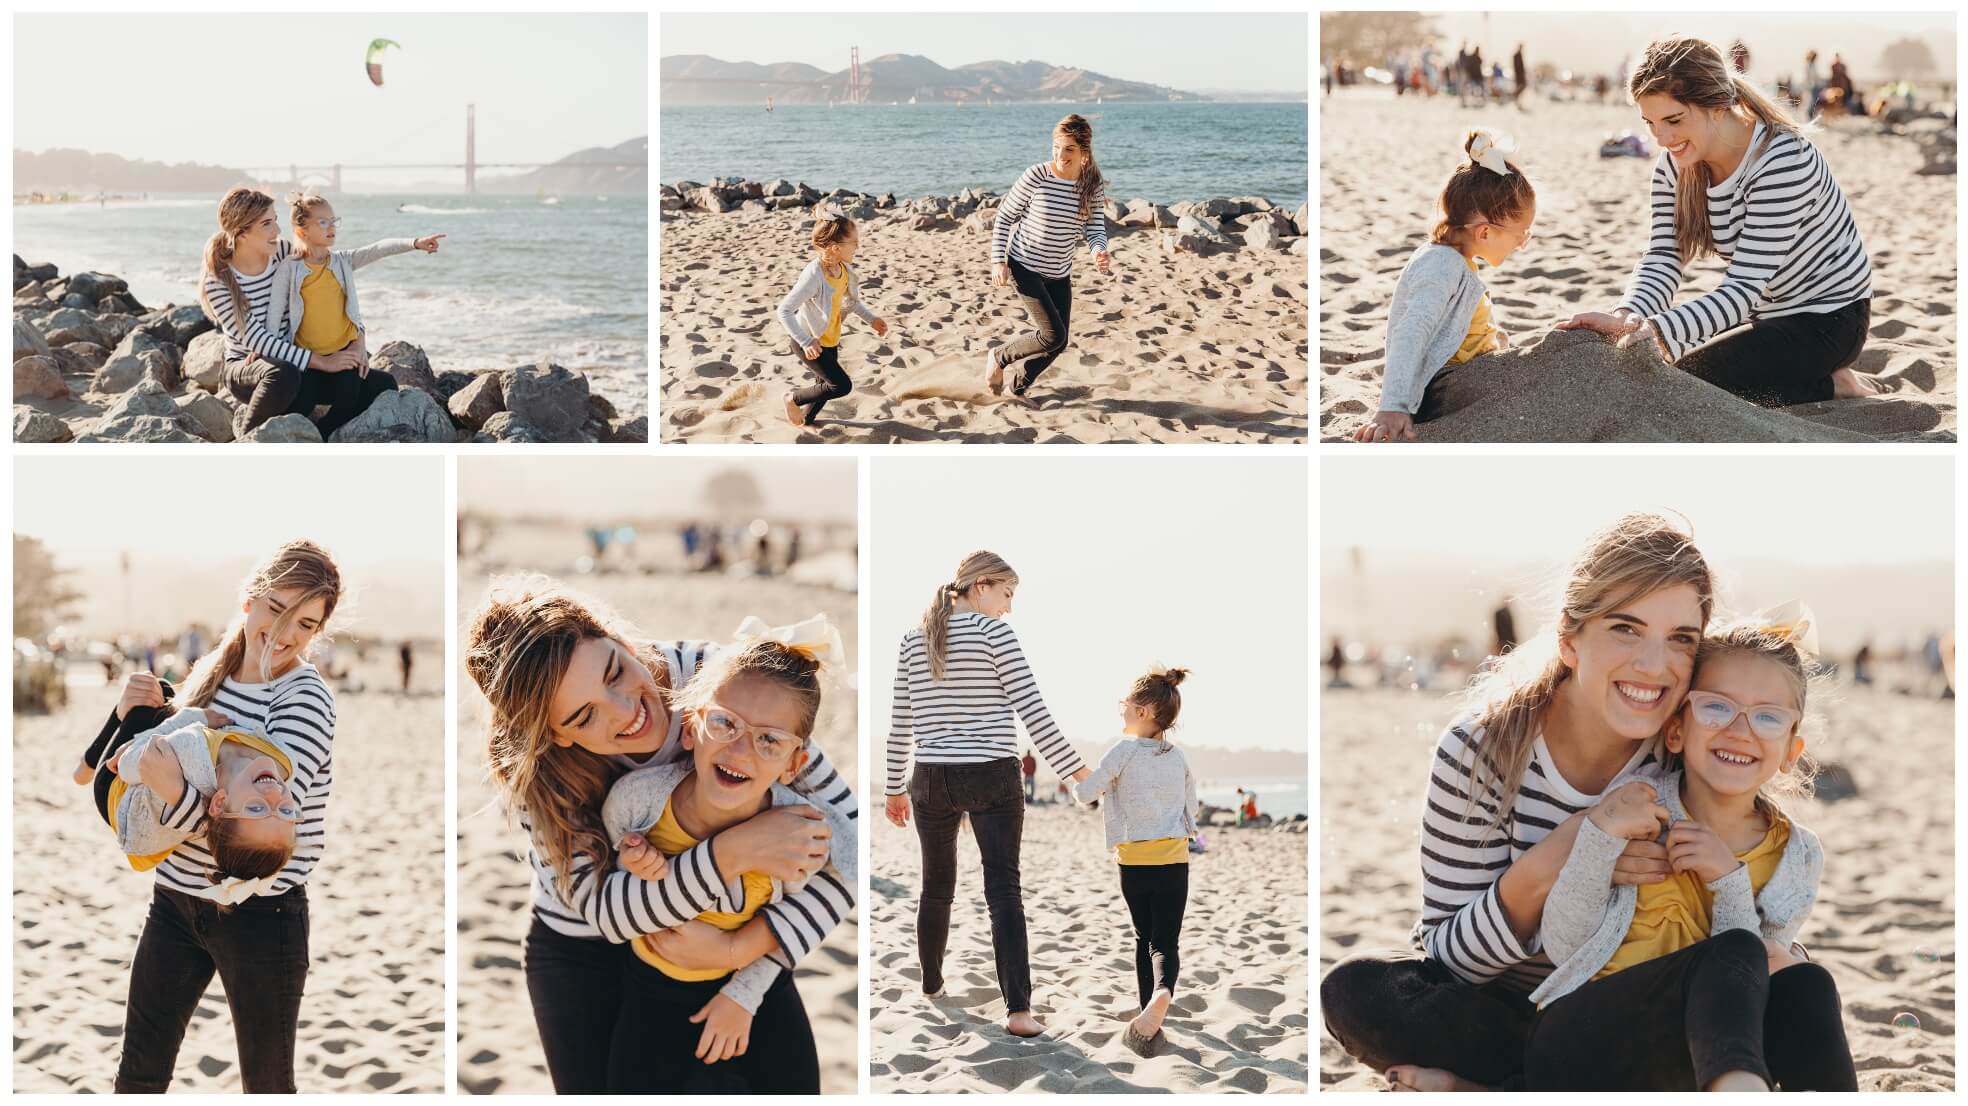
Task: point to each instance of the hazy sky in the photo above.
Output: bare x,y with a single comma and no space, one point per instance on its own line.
1122,563
629,487
1253,52
181,88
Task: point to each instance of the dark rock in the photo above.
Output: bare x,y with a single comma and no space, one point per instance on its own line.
633,432
116,327
42,271
76,359
121,303
1834,783
452,381
600,408
553,399
780,187
885,201
165,370
92,287
478,401
403,415
289,429
409,366
32,427
39,378
672,203
186,323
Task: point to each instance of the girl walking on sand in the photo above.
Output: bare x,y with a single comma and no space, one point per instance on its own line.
813,311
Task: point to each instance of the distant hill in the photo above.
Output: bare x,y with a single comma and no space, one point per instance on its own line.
577,173
82,171
895,78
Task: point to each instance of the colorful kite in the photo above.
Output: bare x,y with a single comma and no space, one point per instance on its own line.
374,59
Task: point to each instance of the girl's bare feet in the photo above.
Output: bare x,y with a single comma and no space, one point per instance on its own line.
1738,1081
84,773
1149,1021
793,413
1852,384
1408,1077
1023,1024
995,374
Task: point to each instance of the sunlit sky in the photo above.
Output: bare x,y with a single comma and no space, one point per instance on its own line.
1122,563
822,490
180,88
1243,51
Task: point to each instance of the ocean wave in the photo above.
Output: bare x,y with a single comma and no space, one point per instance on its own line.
426,209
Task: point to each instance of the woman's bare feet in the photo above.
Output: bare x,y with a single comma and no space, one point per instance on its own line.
1023,1024
84,773
1149,1021
1852,384
793,413
1738,1081
1407,1077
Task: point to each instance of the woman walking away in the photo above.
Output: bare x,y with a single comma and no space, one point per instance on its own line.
1150,803
1038,229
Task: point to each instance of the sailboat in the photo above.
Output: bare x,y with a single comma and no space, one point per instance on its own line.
768,103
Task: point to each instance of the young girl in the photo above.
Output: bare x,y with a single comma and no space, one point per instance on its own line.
1440,317
813,311
749,712
1151,799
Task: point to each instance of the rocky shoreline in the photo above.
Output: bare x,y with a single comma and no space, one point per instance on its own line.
92,364
1203,227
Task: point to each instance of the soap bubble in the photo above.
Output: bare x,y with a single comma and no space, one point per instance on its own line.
1905,1021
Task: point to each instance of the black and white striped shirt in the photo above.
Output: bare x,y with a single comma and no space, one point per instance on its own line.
966,717
1039,223
1462,920
297,713
1782,223
253,337
619,907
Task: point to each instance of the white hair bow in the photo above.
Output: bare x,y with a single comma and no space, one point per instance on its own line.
233,890
1491,151
815,637
1792,622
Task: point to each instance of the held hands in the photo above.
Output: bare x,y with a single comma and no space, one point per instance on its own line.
140,689
727,1030
880,327
1387,426
1633,810
1693,847
428,243
640,859
1081,775
897,809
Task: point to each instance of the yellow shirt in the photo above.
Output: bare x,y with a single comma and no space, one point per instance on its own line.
670,840
1675,913
1159,850
838,287
325,325
1483,335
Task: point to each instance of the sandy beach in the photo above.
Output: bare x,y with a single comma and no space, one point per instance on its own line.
1884,920
373,1017
498,1044
1172,347
1239,1018
1382,165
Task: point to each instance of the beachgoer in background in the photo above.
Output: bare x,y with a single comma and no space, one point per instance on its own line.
1517,77
812,313
1030,767
1505,625
404,658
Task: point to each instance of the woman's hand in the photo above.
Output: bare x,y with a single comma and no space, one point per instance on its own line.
1643,861
640,859
1102,260
880,327
727,1030
897,809
1387,426
788,843
1781,958
159,770
1645,331
1693,847
1632,810
217,719
428,243
140,689
1004,273
1599,322
701,946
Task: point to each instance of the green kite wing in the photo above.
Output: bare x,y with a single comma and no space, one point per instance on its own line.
374,58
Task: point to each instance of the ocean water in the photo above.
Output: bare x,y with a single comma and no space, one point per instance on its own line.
515,280
1277,797
1162,151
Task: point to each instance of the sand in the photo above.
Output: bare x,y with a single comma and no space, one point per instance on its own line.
1883,924
373,1017
1239,1018
498,1045
1170,348
1377,198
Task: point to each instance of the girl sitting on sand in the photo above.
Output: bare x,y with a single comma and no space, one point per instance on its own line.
813,311
1440,317
749,713
313,304
1150,817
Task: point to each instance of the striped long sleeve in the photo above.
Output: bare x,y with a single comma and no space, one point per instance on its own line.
1039,223
249,335
1023,689
901,724
1782,223
803,919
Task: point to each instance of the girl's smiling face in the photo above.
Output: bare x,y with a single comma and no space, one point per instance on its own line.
1688,133
608,702
732,777
1494,242
317,232
279,647
1632,665
842,252
1731,758
255,793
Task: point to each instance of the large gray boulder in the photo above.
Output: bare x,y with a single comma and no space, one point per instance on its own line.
403,415
38,271
32,427
633,432
118,374
147,397
212,414
80,359
179,324
28,341
508,428
39,378
117,327
550,397
714,200
67,325
286,429
204,361
1268,232
1302,219
409,366
478,401
94,286
1201,228
142,428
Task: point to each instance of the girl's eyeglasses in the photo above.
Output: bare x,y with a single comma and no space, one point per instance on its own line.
287,810
1718,712
722,725
331,224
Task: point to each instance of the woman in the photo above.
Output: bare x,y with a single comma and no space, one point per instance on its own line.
960,679
578,699
267,374
254,937
1037,230
1737,179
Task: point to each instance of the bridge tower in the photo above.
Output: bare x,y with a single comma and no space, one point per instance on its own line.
856,91
471,147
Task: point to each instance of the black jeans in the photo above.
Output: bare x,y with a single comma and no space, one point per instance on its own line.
833,382
269,389
1156,895
1049,304
576,985
992,795
1781,361
114,735
655,1043
259,949
1408,1010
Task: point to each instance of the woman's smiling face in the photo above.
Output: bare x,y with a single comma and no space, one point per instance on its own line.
1632,665
607,702
1688,133
279,647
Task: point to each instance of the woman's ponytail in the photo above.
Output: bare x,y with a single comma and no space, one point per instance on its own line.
936,629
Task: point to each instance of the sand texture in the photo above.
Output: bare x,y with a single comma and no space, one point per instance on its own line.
1173,347
1239,1018
1883,924
1378,195
373,1016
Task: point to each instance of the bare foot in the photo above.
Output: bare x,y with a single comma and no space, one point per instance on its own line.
793,413
996,376
1407,1077
1851,384
1738,1081
1024,401
1149,1021
84,773
1023,1024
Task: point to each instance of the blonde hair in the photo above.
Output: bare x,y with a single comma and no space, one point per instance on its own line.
1157,692
299,565
1633,557
239,209
831,229
1475,194
791,667
981,567
1076,129
1694,72
1747,640
301,205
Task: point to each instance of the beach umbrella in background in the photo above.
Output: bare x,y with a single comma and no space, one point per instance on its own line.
373,59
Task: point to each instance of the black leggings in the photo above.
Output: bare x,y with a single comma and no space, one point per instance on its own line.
1049,304
654,1046
259,949
992,794
1782,361
576,985
1155,894
269,389
834,383
115,734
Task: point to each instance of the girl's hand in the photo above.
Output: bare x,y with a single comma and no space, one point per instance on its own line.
1004,273
1642,862
361,348
897,809
1387,426
1633,810
1103,262
428,244
341,360
1503,338
788,843
217,719
727,1030
141,689
1081,775
698,946
1599,322
880,327
1693,847
812,351
640,859
158,769
1781,958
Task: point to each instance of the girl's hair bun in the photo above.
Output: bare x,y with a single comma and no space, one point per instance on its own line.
1173,676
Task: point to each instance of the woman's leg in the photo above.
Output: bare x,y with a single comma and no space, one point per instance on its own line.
349,394
1407,1010
782,1056
1783,361
1676,1023
265,389
1060,292
834,383
652,1044
261,949
997,821
576,986
1804,1032
167,978
1048,317
936,831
